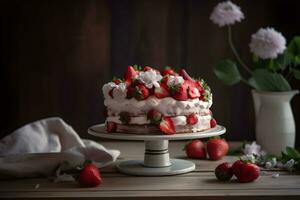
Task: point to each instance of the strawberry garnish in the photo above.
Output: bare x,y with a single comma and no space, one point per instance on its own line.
185,75
179,92
111,93
169,71
111,127
141,92
117,80
193,92
167,126
89,176
213,123
125,117
154,116
130,74
162,91
192,119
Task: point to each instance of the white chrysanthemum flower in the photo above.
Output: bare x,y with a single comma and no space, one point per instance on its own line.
150,78
248,157
120,91
267,43
252,149
106,88
226,13
289,165
175,80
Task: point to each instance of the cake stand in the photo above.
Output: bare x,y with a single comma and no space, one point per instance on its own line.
156,161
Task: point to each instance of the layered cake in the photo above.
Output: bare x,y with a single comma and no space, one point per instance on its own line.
149,101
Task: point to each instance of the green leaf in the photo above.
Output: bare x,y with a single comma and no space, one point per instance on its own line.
292,152
267,81
294,50
296,73
228,72
273,65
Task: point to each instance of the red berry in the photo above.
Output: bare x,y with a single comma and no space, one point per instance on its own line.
217,148
111,127
185,75
195,149
169,71
245,172
167,126
224,172
141,92
89,176
154,116
192,119
130,74
111,93
162,91
117,81
193,92
213,123
147,68
180,93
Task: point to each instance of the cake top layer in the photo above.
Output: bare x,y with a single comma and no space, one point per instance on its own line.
141,83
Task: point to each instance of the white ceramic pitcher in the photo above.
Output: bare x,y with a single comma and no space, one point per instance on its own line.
275,124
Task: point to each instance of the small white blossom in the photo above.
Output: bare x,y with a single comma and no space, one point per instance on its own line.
120,91
175,80
275,175
226,13
106,88
252,149
150,78
267,43
289,165
248,157
268,165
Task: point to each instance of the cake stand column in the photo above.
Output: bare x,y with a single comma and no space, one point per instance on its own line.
157,154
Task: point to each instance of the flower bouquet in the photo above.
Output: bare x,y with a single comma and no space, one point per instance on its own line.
273,66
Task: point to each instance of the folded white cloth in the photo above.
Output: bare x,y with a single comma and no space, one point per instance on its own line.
39,148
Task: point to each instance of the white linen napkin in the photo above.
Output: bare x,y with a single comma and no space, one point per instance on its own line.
39,148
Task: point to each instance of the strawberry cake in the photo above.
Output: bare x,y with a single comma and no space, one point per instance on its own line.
149,101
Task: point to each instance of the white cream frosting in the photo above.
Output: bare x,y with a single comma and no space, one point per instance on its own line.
120,91
150,78
106,88
166,106
174,80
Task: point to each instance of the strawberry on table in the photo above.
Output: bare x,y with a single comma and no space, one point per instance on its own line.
111,127
195,149
245,171
89,176
217,148
192,119
162,91
167,126
224,171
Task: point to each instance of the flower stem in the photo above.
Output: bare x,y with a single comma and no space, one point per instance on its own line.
235,51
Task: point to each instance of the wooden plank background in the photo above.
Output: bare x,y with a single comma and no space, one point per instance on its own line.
55,55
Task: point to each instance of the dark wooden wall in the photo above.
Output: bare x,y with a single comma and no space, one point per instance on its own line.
55,55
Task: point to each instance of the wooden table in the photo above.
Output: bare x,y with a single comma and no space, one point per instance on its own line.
200,184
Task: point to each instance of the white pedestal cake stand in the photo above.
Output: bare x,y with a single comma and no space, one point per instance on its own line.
156,161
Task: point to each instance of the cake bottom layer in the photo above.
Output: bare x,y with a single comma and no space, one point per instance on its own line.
149,129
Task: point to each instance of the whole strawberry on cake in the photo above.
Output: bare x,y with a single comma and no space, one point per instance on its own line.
149,101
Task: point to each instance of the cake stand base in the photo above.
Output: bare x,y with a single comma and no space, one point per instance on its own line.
136,167
157,160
